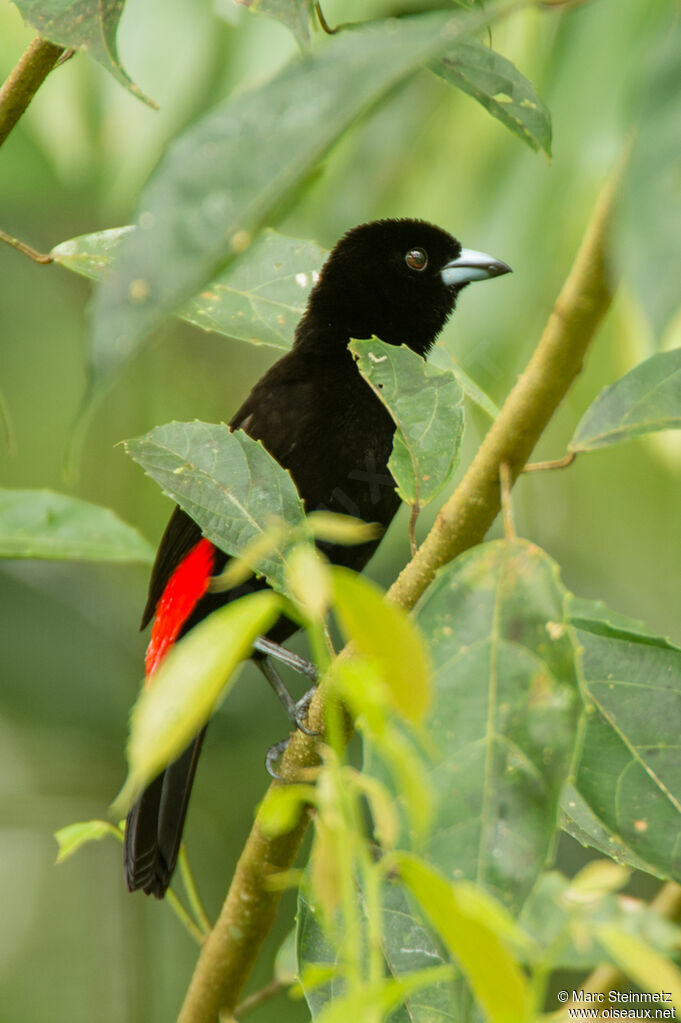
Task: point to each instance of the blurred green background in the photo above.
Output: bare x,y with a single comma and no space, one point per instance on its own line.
73,944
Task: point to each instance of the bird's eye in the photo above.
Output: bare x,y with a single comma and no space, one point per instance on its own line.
416,259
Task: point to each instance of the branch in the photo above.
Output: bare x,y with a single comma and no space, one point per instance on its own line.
230,950
24,81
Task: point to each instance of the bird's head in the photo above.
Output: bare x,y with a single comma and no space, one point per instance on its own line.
396,279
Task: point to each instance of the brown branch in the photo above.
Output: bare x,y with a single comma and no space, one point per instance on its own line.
37,257
230,950
555,463
24,81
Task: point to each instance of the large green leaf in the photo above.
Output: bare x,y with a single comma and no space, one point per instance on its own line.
428,436
88,25
42,524
647,399
504,714
295,14
229,172
187,685
258,299
629,775
408,946
227,482
497,84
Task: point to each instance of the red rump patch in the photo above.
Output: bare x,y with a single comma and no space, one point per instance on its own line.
184,589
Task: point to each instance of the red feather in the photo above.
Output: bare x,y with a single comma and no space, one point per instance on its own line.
184,589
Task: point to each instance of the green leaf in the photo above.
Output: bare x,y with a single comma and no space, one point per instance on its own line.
295,14
227,482
258,299
384,635
629,774
471,933
504,714
580,821
648,222
255,150
73,836
647,399
187,686
500,88
42,524
428,436
89,25
414,959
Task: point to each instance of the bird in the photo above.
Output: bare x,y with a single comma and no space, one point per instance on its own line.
395,279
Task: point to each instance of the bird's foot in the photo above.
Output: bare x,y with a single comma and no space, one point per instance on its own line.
274,754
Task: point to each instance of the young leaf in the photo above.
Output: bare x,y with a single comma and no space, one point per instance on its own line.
256,149
226,481
472,936
295,14
645,400
88,25
647,967
42,524
187,685
500,88
258,299
73,836
426,446
384,635
628,773
504,714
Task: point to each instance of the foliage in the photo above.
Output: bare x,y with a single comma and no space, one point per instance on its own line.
504,710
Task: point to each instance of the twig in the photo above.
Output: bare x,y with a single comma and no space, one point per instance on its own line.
230,950
37,257
195,903
259,997
24,81
557,463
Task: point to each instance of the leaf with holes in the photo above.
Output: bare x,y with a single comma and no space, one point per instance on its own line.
504,713
89,25
500,88
259,299
629,774
428,436
227,482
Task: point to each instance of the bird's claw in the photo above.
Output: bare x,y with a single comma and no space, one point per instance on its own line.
273,754
300,710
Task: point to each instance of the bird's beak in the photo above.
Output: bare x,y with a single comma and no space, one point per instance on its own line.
472,266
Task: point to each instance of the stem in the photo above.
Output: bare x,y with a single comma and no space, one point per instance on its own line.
37,257
412,528
506,484
195,903
184,917
260,997
24,81
230,950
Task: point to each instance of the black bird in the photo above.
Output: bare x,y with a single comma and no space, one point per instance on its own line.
396,279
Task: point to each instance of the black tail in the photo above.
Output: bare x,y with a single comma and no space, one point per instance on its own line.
153,830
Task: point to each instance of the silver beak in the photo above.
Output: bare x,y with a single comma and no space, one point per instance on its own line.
473,266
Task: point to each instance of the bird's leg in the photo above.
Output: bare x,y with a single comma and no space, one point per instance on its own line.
280,653
271,757
296,711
